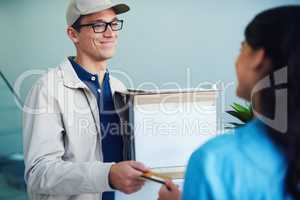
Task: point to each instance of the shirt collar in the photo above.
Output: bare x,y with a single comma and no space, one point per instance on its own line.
83,74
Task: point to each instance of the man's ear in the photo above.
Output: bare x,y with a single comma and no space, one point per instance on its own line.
73,34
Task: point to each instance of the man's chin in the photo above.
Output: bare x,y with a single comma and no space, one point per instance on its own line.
105,56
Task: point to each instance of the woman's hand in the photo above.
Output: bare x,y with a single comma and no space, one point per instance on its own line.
169,191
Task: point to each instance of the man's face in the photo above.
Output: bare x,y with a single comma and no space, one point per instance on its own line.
97,46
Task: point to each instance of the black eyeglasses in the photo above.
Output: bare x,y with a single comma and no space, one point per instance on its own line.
101,27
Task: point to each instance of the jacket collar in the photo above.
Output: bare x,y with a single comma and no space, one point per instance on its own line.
69,75
83,74
71,80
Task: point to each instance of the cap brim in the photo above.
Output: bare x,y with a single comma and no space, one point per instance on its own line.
120,8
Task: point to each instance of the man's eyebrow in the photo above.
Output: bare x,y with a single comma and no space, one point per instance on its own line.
101,20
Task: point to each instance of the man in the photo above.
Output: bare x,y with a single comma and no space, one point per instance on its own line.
71,133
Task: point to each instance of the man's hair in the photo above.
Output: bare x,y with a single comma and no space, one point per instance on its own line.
77,23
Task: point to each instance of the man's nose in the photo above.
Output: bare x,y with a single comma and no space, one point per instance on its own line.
108,32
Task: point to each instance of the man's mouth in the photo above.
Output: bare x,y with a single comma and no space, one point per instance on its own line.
105,44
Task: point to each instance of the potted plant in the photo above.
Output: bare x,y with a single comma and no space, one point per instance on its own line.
243,113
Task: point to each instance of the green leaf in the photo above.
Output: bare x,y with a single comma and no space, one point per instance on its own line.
243,113
246,113
236,125
239,108
239,115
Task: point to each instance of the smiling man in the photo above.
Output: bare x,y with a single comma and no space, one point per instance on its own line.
71,132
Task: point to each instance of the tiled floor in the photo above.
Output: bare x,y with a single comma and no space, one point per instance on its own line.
9,193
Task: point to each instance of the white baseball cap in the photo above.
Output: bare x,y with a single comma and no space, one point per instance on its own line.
78,8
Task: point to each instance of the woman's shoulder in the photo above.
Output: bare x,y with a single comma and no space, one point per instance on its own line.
224,142
249,145
245,155
227,144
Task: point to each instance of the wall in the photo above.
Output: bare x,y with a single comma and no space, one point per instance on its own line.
187,42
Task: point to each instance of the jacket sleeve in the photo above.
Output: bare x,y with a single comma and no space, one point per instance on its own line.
43,141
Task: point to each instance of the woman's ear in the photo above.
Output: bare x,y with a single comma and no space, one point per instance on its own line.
261,63
258,58
73,34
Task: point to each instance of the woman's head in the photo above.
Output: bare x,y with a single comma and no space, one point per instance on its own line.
251,66
271,40
272,43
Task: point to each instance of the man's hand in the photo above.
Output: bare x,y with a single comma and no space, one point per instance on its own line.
169,191
126,176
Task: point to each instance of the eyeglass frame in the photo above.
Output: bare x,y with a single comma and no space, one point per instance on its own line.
106,25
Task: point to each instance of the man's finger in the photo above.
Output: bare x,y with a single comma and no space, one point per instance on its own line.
138,182
139,166
135,184
133,189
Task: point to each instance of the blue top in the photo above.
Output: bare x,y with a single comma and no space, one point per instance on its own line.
112,142
243,165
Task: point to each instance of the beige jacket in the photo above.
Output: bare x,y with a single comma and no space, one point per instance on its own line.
61,132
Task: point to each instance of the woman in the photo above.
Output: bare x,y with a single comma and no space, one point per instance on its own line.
262,159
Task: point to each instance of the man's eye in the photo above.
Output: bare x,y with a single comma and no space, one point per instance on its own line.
100,25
